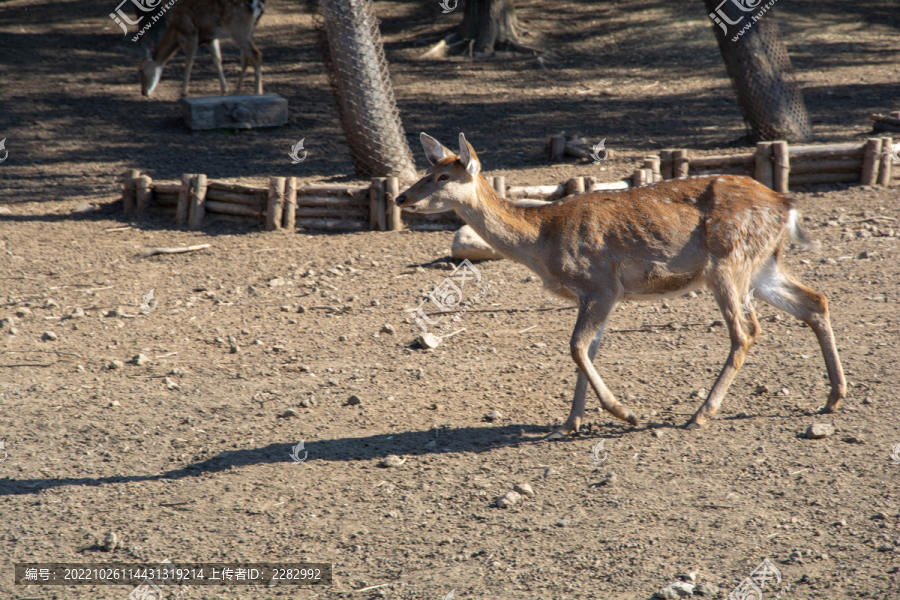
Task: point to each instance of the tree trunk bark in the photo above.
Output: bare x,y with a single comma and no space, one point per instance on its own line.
351,47
491,23
760,69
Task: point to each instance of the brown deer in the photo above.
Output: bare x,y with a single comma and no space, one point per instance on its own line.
724,232
198,22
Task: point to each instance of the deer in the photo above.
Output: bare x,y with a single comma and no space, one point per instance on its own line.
725,233
204,22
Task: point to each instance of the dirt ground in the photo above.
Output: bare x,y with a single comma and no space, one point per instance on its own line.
187,456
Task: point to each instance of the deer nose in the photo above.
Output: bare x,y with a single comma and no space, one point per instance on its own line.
400,199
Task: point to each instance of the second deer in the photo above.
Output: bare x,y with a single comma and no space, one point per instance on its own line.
195,23
724,232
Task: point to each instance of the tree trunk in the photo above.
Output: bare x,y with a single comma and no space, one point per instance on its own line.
351,47
760,69
491,24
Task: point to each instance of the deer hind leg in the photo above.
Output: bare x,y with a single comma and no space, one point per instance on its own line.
251,55
576,414
592,314
190,51
216,54
782,291
743,330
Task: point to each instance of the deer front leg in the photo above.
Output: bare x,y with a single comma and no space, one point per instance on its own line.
592,315
216,54
576,414
190,50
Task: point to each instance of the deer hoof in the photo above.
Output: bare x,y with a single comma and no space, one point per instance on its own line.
559,434
693,425
631,418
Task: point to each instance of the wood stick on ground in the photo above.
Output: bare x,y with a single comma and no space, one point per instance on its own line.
154,251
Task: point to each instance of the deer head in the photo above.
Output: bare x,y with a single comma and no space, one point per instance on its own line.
450,182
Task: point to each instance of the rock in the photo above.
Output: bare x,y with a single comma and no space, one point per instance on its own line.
5,211
881,516
761,389
819,430
865,254
432,445
83,208
563,522
508,499
301,309
855,439
289,413
115,364
23,312
717,323
468,244
49,336
170,384
342,338
13,331
77,313
111,541
50,303
277,282
673,591
286,308
689,577
610,480
141,360
494,415
524,489
114,403
392,460
353,400
387,328
7,322
658,433
234,349
308,402
706,589
375,303
428,340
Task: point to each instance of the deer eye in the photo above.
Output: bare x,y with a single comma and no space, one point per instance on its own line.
444,177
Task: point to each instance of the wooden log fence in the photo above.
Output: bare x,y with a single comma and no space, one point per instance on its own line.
286,205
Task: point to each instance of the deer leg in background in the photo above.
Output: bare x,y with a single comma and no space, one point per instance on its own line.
216,54
190,51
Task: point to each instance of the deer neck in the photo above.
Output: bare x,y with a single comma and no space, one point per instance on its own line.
501,224
168,46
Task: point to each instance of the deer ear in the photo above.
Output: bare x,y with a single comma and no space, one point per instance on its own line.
434,150
468,157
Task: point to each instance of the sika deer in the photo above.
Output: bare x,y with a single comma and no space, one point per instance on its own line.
198,22
723,232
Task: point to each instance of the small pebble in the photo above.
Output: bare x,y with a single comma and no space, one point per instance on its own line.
234,349
277,282
76,313
353,400
674,591
342,338
392,460
23,312
289,413
308,402
610,480
111,541
170,384
428,340
563,523
508,499
706,589
286,308
115,364
387,328
819,430
141,360
432,445
657,433
49,336
494,415
114,403
524,489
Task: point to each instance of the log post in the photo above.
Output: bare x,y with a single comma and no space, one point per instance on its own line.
654,163
665,164
557,145
197,211
574,186
380,216
680,163
781,166
648,176
184,199
639,178
129,184
590,184
290,205
764,171
500,185
871,161
884,169
392,216
275,206
143,193
376,199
